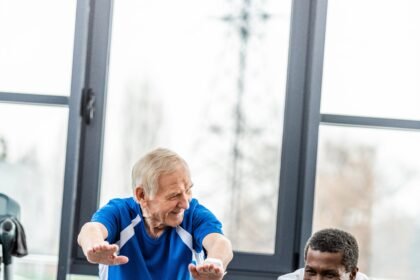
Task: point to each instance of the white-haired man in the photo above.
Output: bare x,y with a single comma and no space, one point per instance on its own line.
161,232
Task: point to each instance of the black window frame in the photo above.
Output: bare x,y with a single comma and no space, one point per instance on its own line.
72,102
301,120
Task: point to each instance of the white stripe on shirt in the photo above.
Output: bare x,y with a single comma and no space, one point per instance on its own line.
125,235
188,241
103,272
128,232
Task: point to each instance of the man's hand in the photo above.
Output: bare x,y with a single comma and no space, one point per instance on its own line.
206,271
92,240
105,254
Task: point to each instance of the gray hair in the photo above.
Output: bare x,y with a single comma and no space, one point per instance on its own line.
147,170
336,241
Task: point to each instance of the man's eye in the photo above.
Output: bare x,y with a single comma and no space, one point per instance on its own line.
310,272
331,276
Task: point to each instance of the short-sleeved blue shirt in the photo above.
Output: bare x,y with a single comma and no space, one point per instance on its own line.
164,258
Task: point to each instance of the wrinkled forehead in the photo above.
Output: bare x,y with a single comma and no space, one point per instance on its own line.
178,176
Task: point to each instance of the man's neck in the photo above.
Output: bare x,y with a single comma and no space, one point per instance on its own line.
153,229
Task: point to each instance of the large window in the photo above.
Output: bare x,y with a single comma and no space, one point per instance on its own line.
235,88
37,46
372,64
208,81
212,81
32,150
36,55
367,170
368,183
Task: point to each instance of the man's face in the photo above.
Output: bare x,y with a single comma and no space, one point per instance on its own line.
167,207
324,265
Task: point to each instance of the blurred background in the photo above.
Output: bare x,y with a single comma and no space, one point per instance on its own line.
213,80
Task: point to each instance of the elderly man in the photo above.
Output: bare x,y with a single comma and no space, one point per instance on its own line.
161,233
329,254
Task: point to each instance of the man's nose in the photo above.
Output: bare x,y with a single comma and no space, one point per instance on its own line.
184,201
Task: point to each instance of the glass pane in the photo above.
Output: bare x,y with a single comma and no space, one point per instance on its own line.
372,64
185,77
32,153
368,182
36,47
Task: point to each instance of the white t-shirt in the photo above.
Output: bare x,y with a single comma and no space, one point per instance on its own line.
298,275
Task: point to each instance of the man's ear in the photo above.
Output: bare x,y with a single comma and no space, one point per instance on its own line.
139,194
353,273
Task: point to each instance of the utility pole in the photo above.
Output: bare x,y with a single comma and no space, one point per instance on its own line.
242,22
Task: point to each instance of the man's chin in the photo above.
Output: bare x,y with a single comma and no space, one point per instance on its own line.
176,220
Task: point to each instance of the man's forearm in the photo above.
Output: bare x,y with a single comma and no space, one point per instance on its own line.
90,234
218,247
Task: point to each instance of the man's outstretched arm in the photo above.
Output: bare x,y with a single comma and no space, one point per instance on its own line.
92,241
219,254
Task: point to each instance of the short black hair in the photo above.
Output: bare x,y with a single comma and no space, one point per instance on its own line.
333,240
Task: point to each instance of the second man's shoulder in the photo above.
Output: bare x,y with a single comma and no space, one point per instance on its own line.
361,276
297,275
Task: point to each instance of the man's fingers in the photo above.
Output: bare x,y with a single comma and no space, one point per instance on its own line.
205,271
193,270
120,260
105,254
105,247
209,268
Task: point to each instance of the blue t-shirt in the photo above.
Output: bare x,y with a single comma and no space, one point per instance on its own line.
164,258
